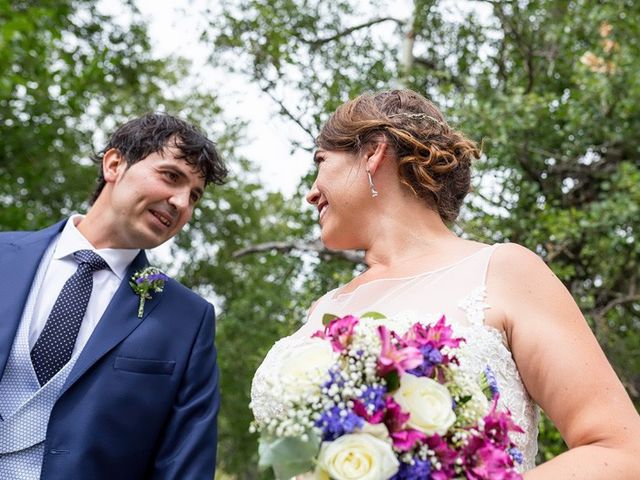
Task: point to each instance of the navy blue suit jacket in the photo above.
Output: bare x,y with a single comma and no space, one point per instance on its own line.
142,399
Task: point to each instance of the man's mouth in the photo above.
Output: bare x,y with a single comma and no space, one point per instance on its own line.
164,219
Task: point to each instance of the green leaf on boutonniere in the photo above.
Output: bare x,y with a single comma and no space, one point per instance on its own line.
146,281
373,315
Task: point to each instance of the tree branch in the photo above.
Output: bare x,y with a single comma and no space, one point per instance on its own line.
302,246
285,111
347,31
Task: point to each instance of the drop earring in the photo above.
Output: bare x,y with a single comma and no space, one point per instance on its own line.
374,192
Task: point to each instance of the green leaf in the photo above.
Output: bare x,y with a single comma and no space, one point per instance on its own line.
288,456
327,318
393,381
373,315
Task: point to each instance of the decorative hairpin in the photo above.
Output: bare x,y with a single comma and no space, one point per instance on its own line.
418,116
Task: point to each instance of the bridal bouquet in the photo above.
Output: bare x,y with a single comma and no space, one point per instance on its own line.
366,400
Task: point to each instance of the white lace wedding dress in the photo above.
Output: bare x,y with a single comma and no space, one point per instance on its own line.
457,291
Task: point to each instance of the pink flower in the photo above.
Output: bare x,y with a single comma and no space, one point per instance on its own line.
493,463
339,331
438,335
446,455
394,417
405,440
498,425
396,358
361,410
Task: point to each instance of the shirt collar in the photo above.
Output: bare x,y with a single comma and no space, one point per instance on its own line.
71,240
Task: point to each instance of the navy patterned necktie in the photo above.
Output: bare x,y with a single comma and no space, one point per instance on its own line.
55,344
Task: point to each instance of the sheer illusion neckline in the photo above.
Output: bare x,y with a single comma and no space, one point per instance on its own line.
337,295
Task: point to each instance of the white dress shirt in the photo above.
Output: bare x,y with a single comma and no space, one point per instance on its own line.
62,265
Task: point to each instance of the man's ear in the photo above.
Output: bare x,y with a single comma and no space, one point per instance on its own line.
112,164
375,156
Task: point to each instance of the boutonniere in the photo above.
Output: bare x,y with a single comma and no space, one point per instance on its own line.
146,281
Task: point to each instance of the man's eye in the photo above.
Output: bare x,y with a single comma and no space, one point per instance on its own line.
171,176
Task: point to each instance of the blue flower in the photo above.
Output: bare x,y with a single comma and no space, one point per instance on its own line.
516,455
420,470
337,422
491,381
335,378
432,358
373,398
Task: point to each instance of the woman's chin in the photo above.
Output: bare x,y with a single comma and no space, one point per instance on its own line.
338,242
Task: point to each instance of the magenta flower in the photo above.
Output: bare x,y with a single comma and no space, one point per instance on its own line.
438,335
394,417
493,463
405,440
446,455
339,331
396,357
360,409
486,454
498,425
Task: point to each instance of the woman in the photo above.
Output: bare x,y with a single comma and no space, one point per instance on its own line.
391,175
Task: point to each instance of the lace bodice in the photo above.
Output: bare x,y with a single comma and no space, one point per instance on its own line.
457,291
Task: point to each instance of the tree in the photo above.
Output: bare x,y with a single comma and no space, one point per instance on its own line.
549,87
70,74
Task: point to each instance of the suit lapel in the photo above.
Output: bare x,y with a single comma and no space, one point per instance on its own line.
19,261
118,321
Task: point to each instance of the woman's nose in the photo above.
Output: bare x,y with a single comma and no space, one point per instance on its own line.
313,195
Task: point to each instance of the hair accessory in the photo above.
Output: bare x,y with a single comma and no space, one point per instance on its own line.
374,192
418,116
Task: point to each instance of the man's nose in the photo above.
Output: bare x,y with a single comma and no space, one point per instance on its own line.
180,199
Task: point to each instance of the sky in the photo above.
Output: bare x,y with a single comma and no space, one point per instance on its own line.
174,28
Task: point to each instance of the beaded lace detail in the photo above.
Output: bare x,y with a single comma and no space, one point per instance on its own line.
459,293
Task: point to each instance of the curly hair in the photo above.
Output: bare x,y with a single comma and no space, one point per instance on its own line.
434,160
152,133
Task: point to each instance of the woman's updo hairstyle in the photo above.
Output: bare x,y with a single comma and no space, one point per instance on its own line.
434,160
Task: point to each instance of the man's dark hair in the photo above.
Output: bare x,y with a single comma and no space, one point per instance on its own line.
154,132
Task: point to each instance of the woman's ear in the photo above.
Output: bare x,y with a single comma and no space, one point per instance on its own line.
376,156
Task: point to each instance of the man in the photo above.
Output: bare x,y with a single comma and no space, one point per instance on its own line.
97,382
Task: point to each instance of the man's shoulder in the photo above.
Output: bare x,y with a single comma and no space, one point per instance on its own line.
20,236
16,236
185,294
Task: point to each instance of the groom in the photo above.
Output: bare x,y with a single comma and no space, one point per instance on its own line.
93,383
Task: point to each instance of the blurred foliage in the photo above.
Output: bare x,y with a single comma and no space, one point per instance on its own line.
551,88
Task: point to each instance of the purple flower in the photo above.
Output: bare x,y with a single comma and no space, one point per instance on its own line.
373,398
431,358
145,282
337,422
491,381
516,455
419,470
339,331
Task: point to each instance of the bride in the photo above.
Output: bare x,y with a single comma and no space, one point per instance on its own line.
391,175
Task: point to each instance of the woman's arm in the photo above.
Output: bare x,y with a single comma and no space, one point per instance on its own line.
564,370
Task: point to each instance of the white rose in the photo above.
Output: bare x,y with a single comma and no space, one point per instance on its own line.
305,368
357,456
378,430
428,403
